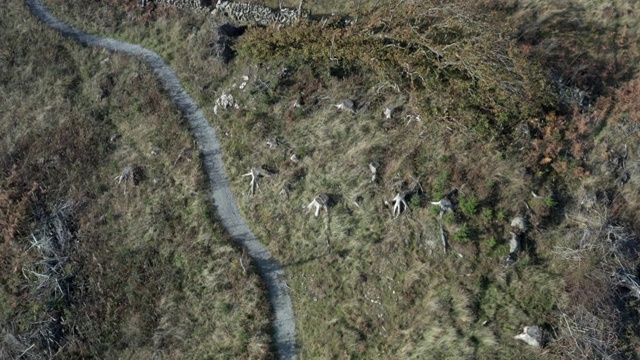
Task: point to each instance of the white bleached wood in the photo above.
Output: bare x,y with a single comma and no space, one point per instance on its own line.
399,204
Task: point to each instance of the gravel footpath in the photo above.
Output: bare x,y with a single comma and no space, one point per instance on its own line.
271,272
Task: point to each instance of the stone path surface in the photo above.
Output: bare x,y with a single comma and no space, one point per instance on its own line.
223,199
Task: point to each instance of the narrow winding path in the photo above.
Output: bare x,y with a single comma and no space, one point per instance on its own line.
271,272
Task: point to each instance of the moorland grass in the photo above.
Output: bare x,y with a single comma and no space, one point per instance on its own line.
147,272
365,284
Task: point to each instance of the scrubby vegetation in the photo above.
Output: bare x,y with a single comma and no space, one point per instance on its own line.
511,108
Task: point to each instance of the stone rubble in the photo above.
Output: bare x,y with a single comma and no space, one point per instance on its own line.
255,14
225,101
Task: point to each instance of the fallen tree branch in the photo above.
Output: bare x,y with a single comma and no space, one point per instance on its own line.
255,174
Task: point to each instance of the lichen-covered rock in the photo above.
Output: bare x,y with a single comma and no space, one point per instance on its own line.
225,101
514,244
519,223
514,248
532,335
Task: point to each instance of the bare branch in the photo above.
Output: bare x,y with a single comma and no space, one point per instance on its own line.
331,50
300,10
255,174
628,281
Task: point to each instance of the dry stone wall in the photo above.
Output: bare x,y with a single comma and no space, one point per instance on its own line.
254,14
181,4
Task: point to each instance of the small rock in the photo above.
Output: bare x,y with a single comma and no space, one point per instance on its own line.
519,223
514,248
531,335
155,150
444,203
357,200
373,167
624,178
322,199
387,112
346,105
413,118
514,244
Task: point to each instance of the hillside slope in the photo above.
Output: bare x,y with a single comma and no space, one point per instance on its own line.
109,250
511,109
